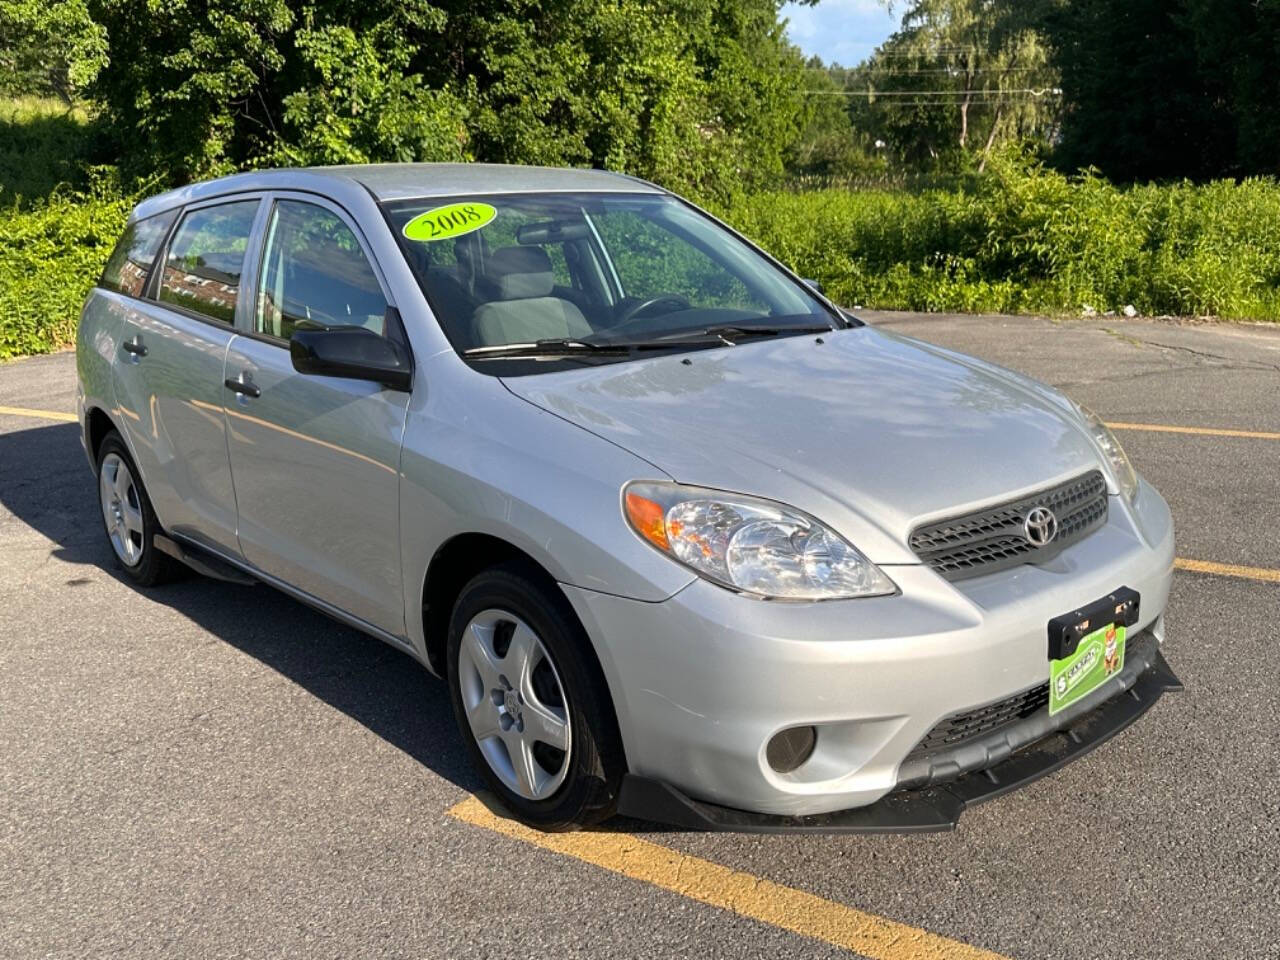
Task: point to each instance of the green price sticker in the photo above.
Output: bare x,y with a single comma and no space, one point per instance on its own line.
1098,658
451,220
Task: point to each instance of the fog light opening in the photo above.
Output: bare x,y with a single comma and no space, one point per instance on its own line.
789,749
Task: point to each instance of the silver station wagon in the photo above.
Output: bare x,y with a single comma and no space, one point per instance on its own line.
687,542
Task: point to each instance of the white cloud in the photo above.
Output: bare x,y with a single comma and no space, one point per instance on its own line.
840,31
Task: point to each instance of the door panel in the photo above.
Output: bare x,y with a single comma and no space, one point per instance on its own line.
169,370
316,464
316,460
170,401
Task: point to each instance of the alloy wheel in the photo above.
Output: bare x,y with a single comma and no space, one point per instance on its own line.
121,509
515,703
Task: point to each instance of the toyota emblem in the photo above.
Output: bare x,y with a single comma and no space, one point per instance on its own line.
1040,527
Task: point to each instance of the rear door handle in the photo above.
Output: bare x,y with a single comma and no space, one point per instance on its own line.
134,347
242,386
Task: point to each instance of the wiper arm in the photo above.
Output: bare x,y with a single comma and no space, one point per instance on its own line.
565,347
552,347
727,334
731,333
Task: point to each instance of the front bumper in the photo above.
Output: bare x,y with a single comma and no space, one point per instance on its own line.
703,680
926,809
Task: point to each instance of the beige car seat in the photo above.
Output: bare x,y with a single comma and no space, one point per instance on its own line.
518,283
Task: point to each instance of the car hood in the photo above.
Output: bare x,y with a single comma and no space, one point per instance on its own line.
871,432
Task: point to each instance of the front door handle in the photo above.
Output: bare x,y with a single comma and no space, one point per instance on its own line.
242,386
134,347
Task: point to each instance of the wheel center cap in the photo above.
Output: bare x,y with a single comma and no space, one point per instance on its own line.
511,704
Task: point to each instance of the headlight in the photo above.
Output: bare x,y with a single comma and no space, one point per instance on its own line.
755,546
1126,477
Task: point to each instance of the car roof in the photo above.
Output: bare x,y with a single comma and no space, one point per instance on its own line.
401,181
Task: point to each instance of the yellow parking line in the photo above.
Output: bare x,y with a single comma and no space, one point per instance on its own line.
38,414
1265,574
803,913
1199,431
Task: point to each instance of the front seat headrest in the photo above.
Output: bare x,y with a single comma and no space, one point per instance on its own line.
519,273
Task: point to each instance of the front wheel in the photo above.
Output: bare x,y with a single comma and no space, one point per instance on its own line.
531,702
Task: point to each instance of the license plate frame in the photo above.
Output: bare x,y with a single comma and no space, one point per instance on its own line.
1087,646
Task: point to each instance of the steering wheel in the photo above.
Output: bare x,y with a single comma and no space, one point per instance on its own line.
635,312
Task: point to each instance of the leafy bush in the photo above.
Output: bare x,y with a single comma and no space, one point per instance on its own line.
1025,238
50,257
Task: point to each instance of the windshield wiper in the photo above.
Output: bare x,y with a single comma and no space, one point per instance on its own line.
723,334
732,333
552,347
557,347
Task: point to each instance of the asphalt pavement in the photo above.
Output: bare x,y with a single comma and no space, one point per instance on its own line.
212,770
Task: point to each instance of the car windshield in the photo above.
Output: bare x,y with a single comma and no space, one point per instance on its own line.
598,274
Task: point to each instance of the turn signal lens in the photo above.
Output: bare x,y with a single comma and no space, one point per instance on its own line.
649,519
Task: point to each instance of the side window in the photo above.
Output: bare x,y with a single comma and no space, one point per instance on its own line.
127,267
206,257
315,274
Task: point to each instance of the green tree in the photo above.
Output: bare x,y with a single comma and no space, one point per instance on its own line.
49,48
706,96
958,78
1137,105
1165,89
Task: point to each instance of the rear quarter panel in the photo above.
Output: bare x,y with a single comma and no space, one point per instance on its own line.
97,342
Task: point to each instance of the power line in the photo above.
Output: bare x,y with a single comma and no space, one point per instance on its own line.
908,104
1033,91
955,73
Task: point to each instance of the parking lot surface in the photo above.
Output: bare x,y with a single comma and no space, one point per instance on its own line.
213,770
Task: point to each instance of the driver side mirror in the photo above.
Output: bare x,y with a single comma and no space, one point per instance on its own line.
352,352
813,283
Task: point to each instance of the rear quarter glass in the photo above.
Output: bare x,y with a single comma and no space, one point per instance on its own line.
130,262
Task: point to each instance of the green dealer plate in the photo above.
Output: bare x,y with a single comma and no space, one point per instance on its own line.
1099,656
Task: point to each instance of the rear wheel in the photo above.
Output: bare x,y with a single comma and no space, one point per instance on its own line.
531,702
131,524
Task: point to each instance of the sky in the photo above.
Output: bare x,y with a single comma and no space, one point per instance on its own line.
840,31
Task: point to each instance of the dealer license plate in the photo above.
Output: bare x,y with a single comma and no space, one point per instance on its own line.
1086,647
1098,658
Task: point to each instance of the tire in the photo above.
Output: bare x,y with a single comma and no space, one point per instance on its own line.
514,689
128,519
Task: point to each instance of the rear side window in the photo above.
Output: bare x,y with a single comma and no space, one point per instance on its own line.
315,274
206,257
127,268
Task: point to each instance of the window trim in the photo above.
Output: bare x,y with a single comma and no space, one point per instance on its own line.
273,197
152,289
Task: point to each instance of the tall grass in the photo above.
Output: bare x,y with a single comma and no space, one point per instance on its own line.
1026,239
44,145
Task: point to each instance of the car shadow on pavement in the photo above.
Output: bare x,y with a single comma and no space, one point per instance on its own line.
46,483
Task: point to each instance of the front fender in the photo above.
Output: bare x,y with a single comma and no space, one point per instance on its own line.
478,459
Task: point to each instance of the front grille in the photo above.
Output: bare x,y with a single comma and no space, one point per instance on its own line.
963,727
993,539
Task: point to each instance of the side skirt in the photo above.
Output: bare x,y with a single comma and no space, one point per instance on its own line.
218,565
